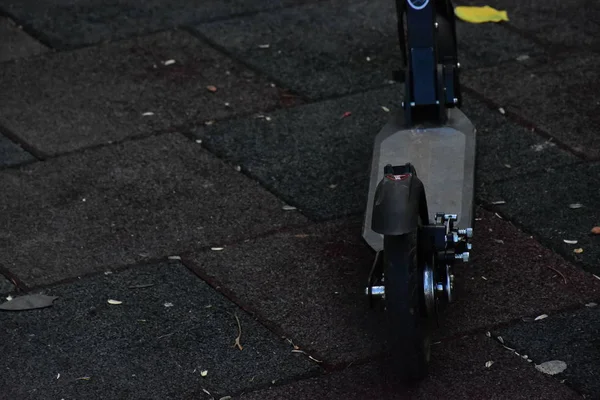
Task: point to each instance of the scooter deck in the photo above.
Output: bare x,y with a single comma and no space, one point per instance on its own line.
444,159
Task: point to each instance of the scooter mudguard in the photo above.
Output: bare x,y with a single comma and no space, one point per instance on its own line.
397,203
444,159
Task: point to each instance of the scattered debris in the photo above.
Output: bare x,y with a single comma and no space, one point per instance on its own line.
28,302
502,111
596,230
552,367
596,276
148,114
508,348
211,88
107,272
174,258
540,317
58,376
484,278
500,339
288,208
507,165
239,336
368,59
314,359
225,398
384,108
83,378
206,391
578,251
264,46
216,248
114,302
204,373
238,168
332,186
557,271
209,122
499,241
227,105
575,206
9,298
570,241
523,57
542,146
498,202
142,286
488,334
592,304
489,364
498,215
346,114
168,62
199,141
526,357
168,304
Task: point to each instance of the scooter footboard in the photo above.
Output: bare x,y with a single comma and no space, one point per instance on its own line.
444,160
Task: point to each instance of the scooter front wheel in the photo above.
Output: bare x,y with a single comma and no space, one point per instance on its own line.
406,312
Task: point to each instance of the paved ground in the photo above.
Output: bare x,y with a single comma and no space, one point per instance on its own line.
124,178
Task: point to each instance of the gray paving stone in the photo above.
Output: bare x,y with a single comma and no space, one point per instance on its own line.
152,346
571,337
67,24
126,203
320,55
458,372
318,161
66,101
16,43
562,24
540,203
309,283
11,153
558,97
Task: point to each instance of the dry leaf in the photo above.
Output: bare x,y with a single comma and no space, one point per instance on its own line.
570,241
552,367
543,316
114,302
211,88
489,364
596,230
578,251
204,373
28,302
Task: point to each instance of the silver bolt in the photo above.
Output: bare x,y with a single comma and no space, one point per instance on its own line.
462,256
376,291
455,100
439,287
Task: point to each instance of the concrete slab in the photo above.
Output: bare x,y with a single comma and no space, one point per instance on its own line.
559,97
458,372
317,55
16,43
67,101
316,278
124,204
541,204
570,337
154,345
66,25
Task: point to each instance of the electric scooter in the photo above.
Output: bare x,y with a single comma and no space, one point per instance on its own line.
420,210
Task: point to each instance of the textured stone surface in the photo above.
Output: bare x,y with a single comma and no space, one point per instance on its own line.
11,153
152,346
64,102
15,43
126,203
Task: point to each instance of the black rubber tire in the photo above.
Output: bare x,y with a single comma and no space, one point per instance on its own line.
409,329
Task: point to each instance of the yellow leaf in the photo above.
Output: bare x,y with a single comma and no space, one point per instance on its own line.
478,15
578,251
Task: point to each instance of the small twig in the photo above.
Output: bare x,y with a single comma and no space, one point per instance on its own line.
558,272
239,336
